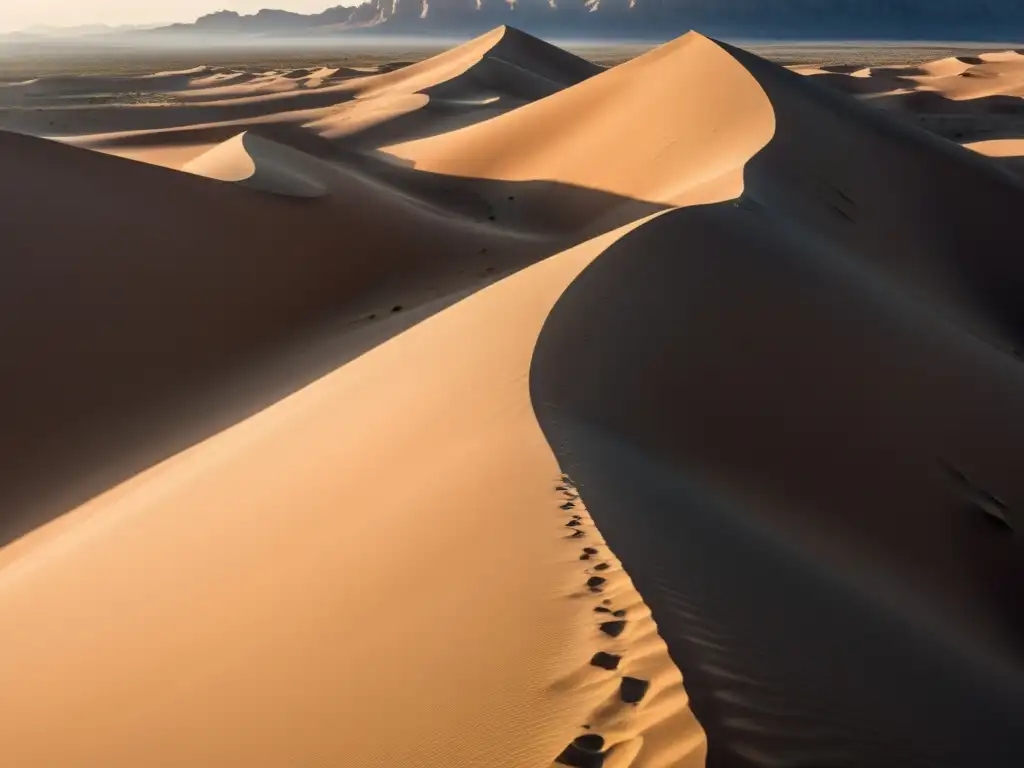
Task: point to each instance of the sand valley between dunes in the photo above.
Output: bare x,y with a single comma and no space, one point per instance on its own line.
508,410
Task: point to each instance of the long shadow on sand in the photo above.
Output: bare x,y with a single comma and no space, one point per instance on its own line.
790,415
147,309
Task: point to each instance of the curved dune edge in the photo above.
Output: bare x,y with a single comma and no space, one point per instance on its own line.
736,388
313,560
265,165
257,556
669,157
349,576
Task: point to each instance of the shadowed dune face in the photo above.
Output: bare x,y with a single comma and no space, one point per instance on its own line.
915,206
794,417
350,443
179,306
667,158
972,100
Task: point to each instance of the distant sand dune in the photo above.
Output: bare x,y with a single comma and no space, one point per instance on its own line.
492,74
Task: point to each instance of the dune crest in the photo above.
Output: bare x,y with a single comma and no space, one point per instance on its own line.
704,118
262,164
451,461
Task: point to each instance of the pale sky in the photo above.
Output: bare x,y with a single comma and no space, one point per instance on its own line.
17,14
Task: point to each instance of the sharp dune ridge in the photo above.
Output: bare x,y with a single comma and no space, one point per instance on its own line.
503,410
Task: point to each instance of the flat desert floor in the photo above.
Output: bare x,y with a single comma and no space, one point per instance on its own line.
513,406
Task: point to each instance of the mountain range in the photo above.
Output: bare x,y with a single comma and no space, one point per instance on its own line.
844,19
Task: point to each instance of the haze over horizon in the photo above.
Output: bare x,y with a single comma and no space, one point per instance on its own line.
70,13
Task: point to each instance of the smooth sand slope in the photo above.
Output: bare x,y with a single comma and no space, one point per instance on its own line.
770,331
303,587
127,286
377,570
973,100
168,119
794,417
665,157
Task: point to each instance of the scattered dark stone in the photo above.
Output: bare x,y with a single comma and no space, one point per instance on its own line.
596,581
587,726
491,217
613,628
511,197
602,567
607,602
584,556
605,660
573,524
578,534
568,505
590,550
619,614
584,752
397,308
602,609
577,517
632,690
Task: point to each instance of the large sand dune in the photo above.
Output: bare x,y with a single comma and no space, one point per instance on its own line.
287,421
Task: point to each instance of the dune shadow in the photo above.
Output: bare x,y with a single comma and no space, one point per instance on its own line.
758,401
151,321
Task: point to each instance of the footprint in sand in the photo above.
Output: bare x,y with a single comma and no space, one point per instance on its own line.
632,689
584,752
613,628
609,661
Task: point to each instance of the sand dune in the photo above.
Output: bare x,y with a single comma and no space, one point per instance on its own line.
286,430
492,74
262,164
968,99
668,158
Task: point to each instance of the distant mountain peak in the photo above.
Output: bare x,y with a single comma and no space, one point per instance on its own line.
896,19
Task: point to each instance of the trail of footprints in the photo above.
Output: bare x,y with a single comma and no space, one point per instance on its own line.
588,749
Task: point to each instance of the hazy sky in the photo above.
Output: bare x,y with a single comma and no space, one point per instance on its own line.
16,14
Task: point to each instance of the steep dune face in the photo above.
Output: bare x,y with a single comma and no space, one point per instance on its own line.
770,333
138,281
794,417
265,165
909,204
502,59
334,594
700,123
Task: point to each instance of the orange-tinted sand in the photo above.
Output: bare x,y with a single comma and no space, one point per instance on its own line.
295,363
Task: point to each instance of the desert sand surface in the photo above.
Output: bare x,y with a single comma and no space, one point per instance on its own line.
508,409
974,100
